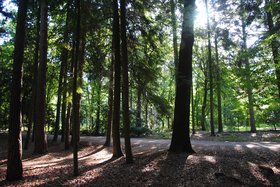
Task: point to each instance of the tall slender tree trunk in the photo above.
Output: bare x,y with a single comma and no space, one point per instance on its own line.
67,127
76,112
210,66
174,33
193,111
180,137
40,146
14,163
249,89
80,77
220,120
274,46
64,60
97,127
125,86
203,128
139,108
32,110
110,104
117,152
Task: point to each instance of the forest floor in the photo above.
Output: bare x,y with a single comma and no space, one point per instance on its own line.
217,162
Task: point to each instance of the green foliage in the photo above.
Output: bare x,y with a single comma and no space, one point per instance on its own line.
140,131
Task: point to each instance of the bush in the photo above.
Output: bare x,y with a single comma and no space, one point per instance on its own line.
139,131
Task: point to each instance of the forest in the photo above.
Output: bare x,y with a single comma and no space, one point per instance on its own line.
139,92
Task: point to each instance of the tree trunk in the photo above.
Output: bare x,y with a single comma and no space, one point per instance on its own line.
210,66
110,104
62,91
139,108
274,46
203,128
80,78
14,163
117,152
193,112
125,86
220,120
34,84
174,33
97,127
76,112
249,88
40,146
180,137
67,127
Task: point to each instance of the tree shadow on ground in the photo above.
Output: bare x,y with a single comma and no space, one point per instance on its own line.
235,165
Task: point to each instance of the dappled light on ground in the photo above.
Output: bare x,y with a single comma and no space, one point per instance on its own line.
214,164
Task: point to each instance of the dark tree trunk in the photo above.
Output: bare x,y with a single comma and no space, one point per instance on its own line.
218,73
203,128
32,109
14,163
193,112
80,78
180,137
40,146
110,104
67,127
249,88
97,127
117,152
62,79
139,108
76,112
125,86
274,46
64,63
210,66
174,33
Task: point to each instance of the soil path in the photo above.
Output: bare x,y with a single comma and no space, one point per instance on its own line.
214,164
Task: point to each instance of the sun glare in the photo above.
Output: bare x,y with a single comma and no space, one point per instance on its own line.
200,17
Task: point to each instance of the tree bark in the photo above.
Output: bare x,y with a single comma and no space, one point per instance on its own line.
210,66
40,146
203,128
219,97
110,104
139,108
180,137
249,89
97,127
274,46
125,86
76,112
34,84
117,152
174,32
14,163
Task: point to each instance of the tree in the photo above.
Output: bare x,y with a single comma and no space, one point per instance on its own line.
249,87
76,112
40,146
180,137
110,104
125,85
219,97
14,163
272,29
32,112
210,66
117,152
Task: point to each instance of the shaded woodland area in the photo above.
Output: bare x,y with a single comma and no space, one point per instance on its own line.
88,87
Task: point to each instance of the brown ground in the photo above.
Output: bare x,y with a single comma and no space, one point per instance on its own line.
216,163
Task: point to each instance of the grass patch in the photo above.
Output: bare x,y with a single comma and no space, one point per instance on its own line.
231,138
